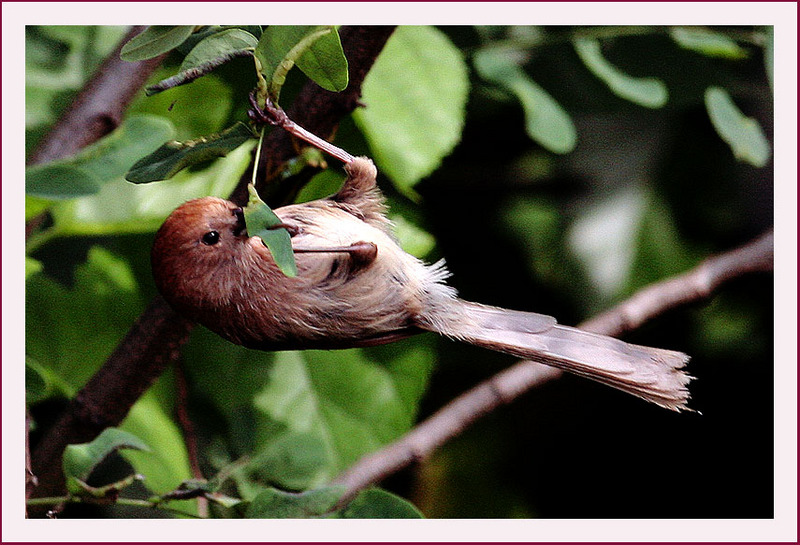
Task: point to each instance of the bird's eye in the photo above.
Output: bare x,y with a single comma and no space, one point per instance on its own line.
210,238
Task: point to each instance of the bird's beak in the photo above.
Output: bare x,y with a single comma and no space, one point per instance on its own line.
241,227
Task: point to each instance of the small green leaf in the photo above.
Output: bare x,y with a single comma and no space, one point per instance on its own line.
174,156
273,503
218,45
324,62
315,49
260,221
647,92
154,41
59,181
79,460
37,380
412,123
379,504
707,42
546,122
32,266
743,134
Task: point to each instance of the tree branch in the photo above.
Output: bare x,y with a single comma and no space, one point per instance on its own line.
695,285
99,107
155,339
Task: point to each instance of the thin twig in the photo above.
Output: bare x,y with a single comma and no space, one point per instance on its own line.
654,300
188,429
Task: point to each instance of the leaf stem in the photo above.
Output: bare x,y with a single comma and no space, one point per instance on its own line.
257,159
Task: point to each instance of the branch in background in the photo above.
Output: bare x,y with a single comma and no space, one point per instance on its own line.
188,430
696,285
99,107
155,339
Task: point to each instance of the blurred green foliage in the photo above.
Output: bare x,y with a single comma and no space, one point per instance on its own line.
564,217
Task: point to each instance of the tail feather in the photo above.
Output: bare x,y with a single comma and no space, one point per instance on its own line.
652,374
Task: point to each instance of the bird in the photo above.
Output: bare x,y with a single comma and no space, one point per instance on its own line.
356,287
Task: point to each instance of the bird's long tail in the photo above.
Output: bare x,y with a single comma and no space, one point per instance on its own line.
653,374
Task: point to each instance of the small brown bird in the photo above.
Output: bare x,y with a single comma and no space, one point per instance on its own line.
356,287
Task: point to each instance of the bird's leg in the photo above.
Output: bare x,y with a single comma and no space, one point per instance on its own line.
274,115
362,253
292,229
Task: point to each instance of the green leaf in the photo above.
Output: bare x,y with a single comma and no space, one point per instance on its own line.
324,62
415,96
189,108
273,503
375,503
173,156
123,207
32,266
59,181
218,45
71,331
647,92
303,417
261,222
208,54
546,122
166,463
321,411
707,42
316,50
79,460
37,382
100,162
743,134
154,41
